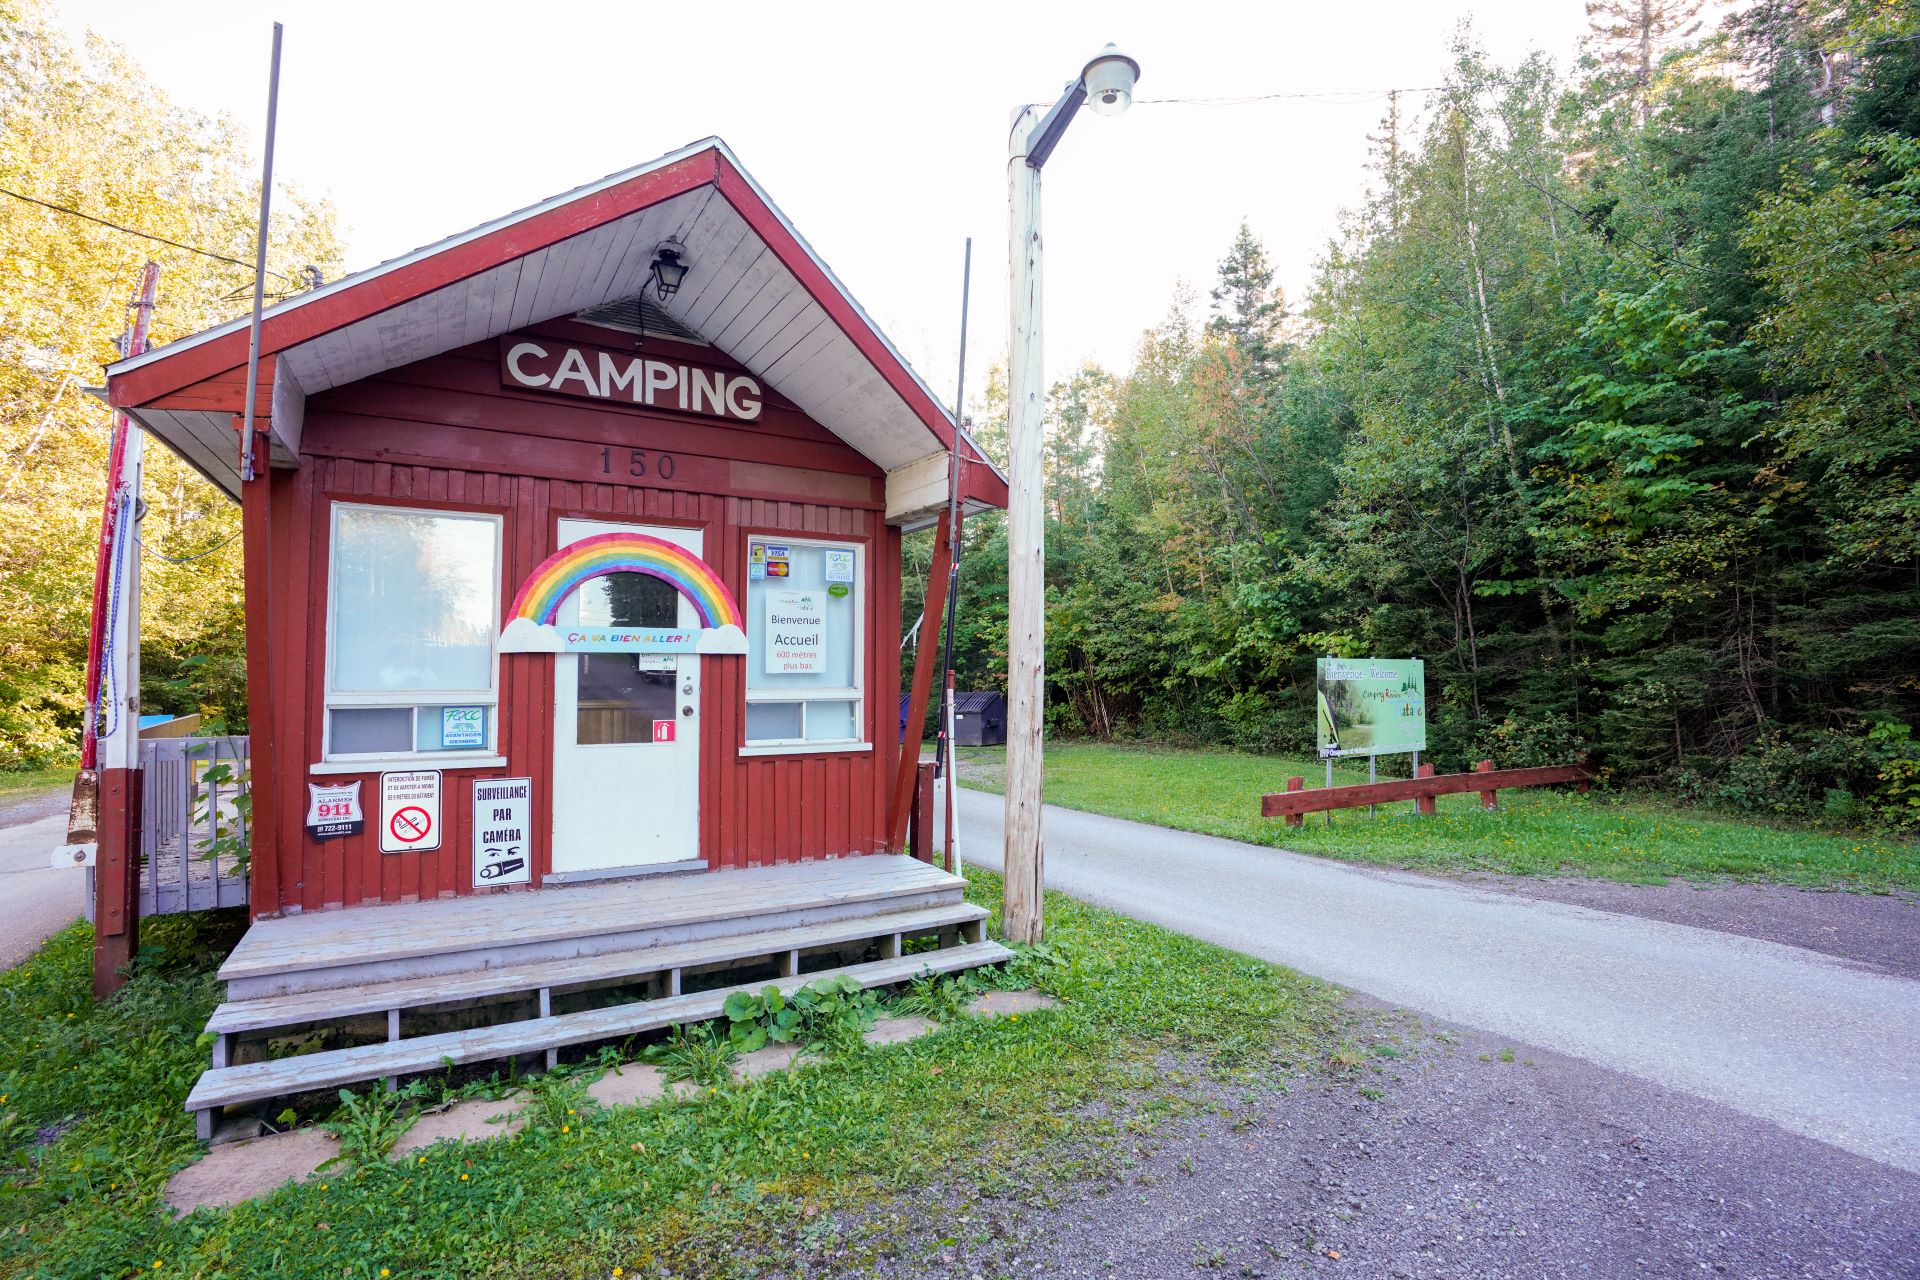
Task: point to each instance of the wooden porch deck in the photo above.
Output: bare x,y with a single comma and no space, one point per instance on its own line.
416,962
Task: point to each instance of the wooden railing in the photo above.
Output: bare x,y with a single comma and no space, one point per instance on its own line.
1296,800
180,813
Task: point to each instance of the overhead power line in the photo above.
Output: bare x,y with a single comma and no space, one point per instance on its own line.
1333,97
135,231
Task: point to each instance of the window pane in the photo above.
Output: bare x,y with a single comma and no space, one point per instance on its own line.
830,721
358,730
628,600
415,601
619,703
806,571
471,728
773,721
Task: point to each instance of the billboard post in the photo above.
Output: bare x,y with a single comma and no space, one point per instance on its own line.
1370,707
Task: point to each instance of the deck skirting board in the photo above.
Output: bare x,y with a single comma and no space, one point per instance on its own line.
255,1082
483,954
348,947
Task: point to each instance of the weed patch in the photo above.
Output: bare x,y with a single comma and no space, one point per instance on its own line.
733,1181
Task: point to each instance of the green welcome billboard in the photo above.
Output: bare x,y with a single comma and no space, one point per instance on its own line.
1371,706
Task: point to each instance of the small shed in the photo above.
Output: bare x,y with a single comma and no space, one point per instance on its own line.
980,719
573,582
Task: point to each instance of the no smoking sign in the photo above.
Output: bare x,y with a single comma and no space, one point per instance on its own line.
410,811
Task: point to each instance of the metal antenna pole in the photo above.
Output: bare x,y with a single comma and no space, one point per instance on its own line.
947,764
260,264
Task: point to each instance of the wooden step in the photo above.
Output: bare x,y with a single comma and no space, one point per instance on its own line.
333,949
264,1012
255,1082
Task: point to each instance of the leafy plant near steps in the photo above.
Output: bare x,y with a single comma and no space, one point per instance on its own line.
938,998
828,1014
368,1125
753,1020
560,1098
698,1054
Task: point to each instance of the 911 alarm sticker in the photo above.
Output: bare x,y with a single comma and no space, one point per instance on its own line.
333,810
410,811
502,823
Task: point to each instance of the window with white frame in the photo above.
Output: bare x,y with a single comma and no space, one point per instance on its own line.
413,606
804,659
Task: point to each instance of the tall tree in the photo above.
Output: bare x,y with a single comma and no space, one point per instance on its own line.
84,129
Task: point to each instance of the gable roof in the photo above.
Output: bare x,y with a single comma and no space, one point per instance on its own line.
755,290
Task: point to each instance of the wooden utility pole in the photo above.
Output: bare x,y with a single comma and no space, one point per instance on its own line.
110,743
1026,541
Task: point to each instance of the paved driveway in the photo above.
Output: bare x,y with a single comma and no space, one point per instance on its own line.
1806,1041
36,899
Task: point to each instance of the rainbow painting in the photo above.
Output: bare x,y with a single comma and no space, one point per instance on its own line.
530,619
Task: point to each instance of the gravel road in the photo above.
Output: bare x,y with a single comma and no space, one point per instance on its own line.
1812,1044
1466,1158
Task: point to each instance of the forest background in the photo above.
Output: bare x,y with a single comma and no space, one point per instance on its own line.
1605,402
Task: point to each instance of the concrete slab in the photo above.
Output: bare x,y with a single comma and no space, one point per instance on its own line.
626,1085
900,1030
240,1171
998,1004
774,1057
475,1120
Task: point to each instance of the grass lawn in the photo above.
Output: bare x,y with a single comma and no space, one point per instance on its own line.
21,784
733,1181
1537,832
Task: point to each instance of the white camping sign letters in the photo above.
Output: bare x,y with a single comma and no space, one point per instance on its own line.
571,369
502,831
410,811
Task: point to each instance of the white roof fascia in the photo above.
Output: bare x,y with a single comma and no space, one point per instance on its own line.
424,252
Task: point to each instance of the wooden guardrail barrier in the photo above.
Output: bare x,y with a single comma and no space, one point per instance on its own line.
1296,800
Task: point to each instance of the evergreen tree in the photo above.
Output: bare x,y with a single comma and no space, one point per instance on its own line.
1633,34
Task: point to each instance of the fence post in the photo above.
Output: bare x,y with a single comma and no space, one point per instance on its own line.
1424,804
920,813
1295,784
1489,799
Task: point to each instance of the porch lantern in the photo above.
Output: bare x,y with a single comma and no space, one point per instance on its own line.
668,270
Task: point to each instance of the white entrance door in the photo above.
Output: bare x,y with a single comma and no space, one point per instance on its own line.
626,731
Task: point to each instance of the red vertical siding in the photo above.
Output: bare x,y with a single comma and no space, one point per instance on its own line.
376,441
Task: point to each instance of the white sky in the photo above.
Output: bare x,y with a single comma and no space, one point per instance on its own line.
879,128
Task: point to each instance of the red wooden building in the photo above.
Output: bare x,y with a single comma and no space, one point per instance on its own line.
564,569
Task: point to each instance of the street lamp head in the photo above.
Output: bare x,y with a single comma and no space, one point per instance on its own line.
1109,81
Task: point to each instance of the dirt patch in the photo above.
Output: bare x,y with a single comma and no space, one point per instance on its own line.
765,1061
629,1083
1876,931
1440,1153
240,1171
900,1030
474,1120
1001,1004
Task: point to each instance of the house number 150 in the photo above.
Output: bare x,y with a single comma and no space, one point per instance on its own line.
637,463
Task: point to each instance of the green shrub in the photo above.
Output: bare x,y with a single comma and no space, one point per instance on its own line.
1528,742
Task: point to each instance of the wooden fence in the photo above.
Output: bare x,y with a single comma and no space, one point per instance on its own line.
1295,801
180,814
